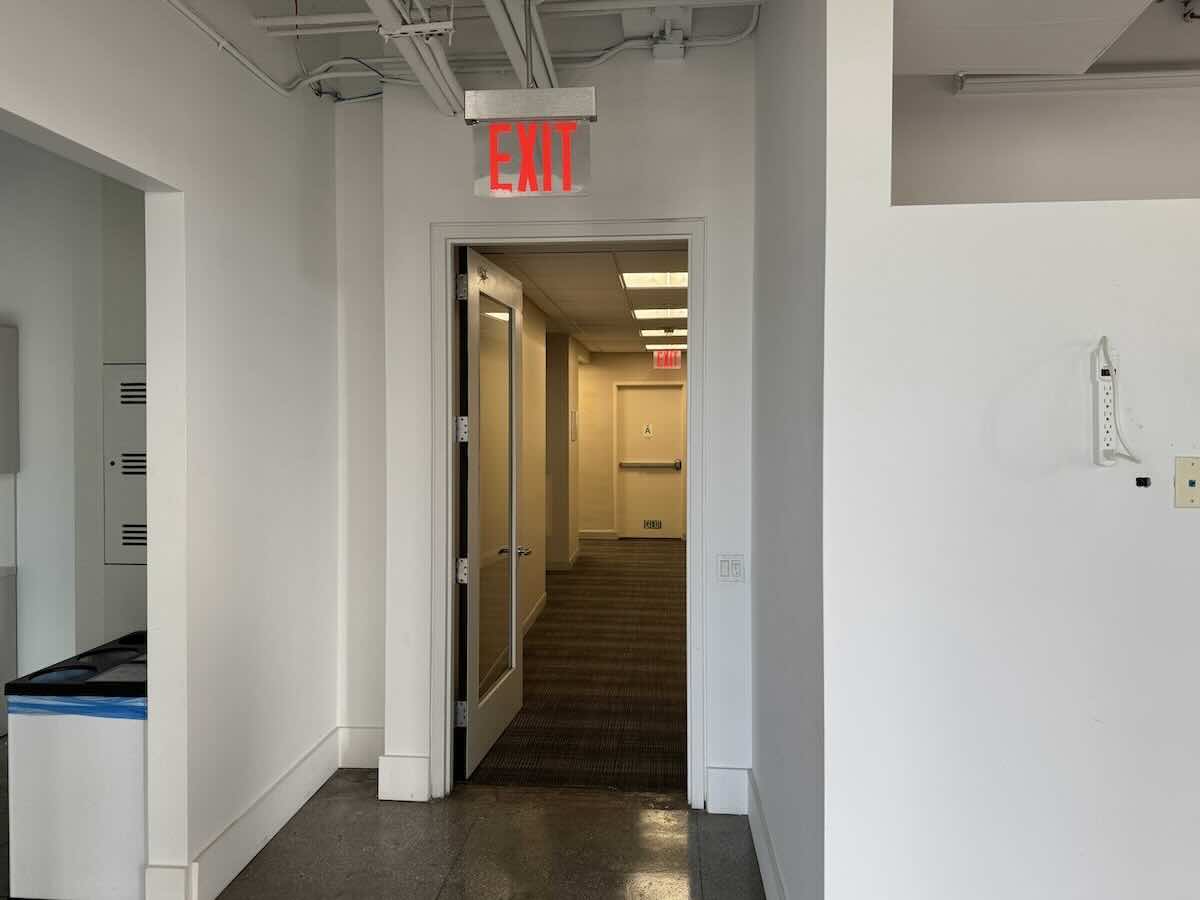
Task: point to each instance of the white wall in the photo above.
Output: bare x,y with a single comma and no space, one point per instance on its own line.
1103,145
679,165
72,281
362,520
246,651
1009,653
787,778
50,289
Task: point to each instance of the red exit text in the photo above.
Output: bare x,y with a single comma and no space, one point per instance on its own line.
535,156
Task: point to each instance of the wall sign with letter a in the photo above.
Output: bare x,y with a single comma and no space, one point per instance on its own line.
532,158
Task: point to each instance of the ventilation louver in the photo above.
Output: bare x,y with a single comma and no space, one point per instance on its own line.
133,393
133,535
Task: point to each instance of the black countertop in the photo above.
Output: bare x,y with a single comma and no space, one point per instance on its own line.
115,669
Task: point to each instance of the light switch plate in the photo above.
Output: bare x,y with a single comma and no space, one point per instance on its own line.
1187,482
731,567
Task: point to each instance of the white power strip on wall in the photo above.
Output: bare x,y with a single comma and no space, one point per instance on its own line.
1105,444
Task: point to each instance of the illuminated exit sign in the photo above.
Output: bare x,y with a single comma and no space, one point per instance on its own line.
668,359
532,143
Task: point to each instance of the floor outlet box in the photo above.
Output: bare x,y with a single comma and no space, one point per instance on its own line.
1187,482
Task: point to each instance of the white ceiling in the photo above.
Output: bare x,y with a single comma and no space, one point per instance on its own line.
1160,38
581,292
998,37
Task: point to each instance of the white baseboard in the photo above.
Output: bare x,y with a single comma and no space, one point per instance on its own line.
230,851
360,746
171,882
767,865
538,609
607,534
404,778
727,791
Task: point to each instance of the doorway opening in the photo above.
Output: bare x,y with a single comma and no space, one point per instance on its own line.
572,629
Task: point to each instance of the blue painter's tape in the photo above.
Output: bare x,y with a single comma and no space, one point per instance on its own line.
92,707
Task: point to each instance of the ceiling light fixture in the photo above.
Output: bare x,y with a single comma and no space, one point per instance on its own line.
672,313
498,316
664,332
666,346
639,281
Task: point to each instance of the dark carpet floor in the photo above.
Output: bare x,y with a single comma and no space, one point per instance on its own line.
605,676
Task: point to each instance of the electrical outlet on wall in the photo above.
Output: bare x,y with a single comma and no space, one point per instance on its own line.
731,567
1187,482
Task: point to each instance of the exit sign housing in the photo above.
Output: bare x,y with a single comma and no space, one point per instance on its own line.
532,143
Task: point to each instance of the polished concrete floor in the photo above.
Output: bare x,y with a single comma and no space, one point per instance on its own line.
501,842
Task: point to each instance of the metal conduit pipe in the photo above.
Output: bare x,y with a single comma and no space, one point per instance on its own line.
457,99
323,29
545,8
485,61
390,20
443,64
188,13
318,19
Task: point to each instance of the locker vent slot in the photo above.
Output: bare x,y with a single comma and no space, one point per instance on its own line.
133,393
133,535
133,463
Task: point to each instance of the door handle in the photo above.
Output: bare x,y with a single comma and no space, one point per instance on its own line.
677,465
521,551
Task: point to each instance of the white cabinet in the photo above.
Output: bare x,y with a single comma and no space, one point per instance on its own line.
125,465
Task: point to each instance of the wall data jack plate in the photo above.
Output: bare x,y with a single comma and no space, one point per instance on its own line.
1187,482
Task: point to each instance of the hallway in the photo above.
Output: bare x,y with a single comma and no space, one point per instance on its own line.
605,676
491,843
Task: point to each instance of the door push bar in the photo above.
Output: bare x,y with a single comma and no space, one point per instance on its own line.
677,465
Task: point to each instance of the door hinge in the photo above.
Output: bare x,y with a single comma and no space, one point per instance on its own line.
460,287
463,571
460,713
462,429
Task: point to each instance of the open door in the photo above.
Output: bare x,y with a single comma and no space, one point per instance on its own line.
489,678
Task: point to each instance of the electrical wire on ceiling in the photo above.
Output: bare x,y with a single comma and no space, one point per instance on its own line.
489,62
432,56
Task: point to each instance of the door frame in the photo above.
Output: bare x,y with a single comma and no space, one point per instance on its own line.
618,386
445,238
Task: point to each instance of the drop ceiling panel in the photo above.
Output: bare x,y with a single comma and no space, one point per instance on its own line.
581,291
945,37
669,261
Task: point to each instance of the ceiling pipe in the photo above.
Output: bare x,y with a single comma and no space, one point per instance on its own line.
321,29
298,26
1121,80
391,21
348,18
508,18
190,14
476,62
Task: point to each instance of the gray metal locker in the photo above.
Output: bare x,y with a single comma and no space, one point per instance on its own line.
125,465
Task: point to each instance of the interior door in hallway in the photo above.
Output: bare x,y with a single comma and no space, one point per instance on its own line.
489,690
650,432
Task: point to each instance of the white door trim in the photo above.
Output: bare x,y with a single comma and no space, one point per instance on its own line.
444,237
681,386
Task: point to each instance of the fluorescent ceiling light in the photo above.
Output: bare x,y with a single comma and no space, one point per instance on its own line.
664,332
638,281
666,346
500,317
672,313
